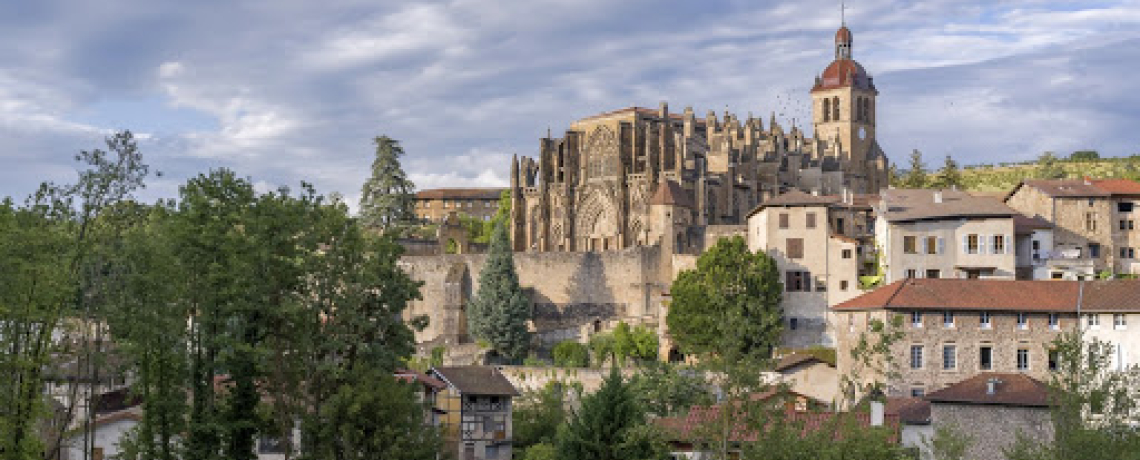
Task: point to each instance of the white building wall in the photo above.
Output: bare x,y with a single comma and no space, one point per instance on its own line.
1125,338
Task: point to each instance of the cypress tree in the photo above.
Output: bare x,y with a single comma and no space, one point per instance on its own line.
950,175
498,312
607,426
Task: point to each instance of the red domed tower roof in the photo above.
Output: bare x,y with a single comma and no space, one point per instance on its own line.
843,71
843,35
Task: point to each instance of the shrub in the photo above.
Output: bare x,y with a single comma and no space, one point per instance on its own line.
571,354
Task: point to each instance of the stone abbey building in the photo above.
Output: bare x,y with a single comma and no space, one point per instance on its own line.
606,215
597,187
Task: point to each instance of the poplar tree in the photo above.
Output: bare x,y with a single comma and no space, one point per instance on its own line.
949,176
916,176
386,200
499,311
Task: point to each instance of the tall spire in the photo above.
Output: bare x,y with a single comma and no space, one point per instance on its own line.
842,13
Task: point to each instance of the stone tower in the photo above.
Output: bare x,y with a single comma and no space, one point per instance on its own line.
843,111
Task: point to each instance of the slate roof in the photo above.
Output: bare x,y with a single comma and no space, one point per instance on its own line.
1013,390
1058,296
671,194
1024,225
460,194
476,380
901,205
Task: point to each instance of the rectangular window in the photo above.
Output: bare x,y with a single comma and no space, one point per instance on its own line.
843,285
1022,359
811,220
972,242
933,274
795,248
1022,321
911,273
846,253
999,244
491,452
984,320
947,319
1092,319
910,245
797,281
985,358
793,323
1054,321
783,221
916,356
1094,250
915,319
949,357
1090,221
1124,225
1118,321
917,392
1054,360
932,245
839,226
1124,206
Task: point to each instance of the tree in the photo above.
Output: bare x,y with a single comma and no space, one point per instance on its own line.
948,443
386,200
1095,408
665,389
916,176
609,426
537,415
949,176
375,416
639,343
500,309
570,353
1084,155
1048,167
729,304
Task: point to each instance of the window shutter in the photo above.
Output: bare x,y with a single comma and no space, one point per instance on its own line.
982,243
924,248
941,245
1009,248
965,244
807,281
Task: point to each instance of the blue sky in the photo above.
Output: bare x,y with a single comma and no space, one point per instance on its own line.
292,90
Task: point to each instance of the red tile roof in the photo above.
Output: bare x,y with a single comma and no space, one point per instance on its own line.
692,427
1118,186
1062,188
843,73
1106,296
969,294
412,376
915,411
1010,390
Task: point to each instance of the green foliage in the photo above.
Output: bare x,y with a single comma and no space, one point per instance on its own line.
602,348
665,389
948,443
820,352
541,451
729,304
570,353
1084,155
500,310
1096,408
537,415
841,438
1047,167
639,343
386,200
376,416
949,176
871,356
609,426
916,175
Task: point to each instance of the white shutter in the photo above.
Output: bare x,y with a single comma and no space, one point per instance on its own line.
982,243
941,245
965,244
1009,247
924,244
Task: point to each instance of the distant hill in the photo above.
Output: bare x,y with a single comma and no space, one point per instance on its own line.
1003,177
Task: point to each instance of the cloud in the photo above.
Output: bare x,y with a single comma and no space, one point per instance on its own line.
294,90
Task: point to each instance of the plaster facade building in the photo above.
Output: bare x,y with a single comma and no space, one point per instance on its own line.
1110,313
1094,220
435,205
819,263
591,189
944,234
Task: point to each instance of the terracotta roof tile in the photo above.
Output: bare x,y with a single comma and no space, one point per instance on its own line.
915,411
1118,186
1111,296
412,376
970,294
1070,188
1010,390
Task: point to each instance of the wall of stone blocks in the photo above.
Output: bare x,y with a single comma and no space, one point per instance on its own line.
993,428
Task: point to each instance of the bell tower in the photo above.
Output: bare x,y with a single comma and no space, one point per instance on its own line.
843,106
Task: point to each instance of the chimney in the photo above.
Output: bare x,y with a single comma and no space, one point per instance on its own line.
1088,181
991,386
938,196
815,192
877,413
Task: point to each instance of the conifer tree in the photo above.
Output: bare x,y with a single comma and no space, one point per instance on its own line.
499,311
949,176
609,426
386,200
916,176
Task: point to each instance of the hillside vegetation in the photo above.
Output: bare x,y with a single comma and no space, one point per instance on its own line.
1003,177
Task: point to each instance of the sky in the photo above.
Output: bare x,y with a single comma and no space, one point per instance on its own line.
287,91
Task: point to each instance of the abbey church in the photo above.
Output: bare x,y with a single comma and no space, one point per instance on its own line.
644,177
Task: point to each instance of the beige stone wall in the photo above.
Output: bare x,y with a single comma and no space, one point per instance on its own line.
1069,215
817,380
435,210
949,252
993,428
967,335
569,290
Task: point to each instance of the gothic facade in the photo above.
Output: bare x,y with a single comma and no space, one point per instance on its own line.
644,177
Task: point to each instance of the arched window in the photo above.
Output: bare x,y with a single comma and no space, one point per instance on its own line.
835,108
860,112
827,110
870,110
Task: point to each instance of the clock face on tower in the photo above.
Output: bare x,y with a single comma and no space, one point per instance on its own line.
862,133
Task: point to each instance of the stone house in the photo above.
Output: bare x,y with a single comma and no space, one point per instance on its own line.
1038,260
944,234
810,376
1093,219
993,409
476,412
819,265
954,329
433,205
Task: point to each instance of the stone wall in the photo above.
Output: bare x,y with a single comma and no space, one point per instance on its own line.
573,293
992,427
